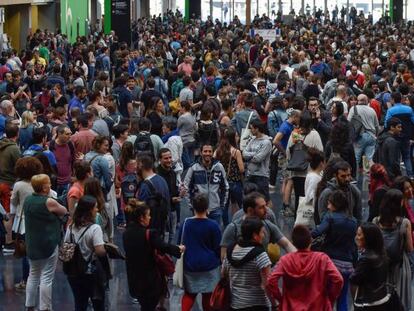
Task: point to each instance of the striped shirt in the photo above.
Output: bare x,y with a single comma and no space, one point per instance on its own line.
245,281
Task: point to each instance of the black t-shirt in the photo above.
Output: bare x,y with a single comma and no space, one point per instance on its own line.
61,102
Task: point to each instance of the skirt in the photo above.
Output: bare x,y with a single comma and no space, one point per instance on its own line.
201,282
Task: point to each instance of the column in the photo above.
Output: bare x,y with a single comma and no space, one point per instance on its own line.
248,12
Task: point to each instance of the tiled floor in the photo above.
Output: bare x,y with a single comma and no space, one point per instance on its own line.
119,299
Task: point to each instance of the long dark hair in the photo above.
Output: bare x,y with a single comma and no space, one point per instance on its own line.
328,174
93,187
228,140
339,136
127,153
305,124
83,211
390,207
373,238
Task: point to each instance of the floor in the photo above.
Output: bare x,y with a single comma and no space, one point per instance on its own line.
119,299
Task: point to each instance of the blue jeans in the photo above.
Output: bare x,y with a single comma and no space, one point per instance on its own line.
342,302
406,156
216,215
365,145
262,184
188,154
235,196
120,218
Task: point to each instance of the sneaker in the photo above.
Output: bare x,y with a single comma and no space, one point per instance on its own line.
272,188
8,249
135,301
20,286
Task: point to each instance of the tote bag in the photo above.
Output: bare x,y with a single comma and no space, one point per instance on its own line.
246,134
304,214
178,276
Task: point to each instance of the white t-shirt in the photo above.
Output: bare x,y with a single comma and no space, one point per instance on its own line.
92,238
311,182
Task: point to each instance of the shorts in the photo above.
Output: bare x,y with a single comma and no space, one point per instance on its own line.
284,173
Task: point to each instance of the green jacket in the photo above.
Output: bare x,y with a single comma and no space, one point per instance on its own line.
9,154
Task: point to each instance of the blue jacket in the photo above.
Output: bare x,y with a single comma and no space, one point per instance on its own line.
33,149
275,119
406,115
25,137
100,169
340,230
75,102
202,244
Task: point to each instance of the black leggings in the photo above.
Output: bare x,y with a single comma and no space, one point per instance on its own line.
299,188
148,303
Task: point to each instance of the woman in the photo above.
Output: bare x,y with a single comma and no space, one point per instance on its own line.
26,130
378,186
389,221
155,113
82,170
186,125
311,139
370,275
93,188
277,114
226,113
232,160
57,99
88,236
310,279
404,184
144,281
25,169
247,267
340,145
340,230
337,111
207,128
201,237
314,176
352,101
43,229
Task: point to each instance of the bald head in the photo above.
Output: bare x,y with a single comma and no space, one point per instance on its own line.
362,99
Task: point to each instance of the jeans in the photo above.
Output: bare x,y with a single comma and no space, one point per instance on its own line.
262,184
172,225
188,154
82,291
365,145
235,196
120,218
216,215
342,302
406,156
25,268
42,271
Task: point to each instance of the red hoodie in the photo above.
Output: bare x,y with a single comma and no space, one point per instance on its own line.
310,282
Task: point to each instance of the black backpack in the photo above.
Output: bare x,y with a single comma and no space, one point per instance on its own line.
77,265
143,145
298,161
207,133
159,208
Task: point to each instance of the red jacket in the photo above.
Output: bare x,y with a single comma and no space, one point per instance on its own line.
306,276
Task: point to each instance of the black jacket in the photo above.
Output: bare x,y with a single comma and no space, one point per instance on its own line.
143,277
389,154
370,276
171,178
347,153
322,126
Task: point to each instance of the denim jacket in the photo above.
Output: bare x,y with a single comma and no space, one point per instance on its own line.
100,169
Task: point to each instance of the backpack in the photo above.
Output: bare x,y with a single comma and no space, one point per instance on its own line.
159,208
298,161
176,88
207,133
393,242
129,187
357,125
143,145
199,92
70,254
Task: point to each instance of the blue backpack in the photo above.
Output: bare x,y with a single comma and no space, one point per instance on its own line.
129,187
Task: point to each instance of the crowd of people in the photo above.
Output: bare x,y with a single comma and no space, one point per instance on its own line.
101,138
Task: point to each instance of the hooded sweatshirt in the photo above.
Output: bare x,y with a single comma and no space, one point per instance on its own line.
389,153
211,182
9,154
310,282
257,156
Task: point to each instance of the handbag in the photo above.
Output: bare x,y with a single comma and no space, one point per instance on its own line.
246,134
113,251
164,263
304,214
220,299
178,276
19,242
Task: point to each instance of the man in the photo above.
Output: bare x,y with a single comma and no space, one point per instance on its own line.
211,102
341,95
64,152
257,157
208,176
172,140
99,126
254,205
186,94
166,171
356,76
123,97
161,86
321,119
9,154
154,191
56,78
365,143
186,66
388,151
260,100
78,101
82,139
341,181
406,115
7,79
120,133
149,93
39,146
242,116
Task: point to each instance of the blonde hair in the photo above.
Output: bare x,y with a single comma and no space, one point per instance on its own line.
27,119
38,181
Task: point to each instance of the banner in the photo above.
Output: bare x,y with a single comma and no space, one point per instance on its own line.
266,34
121,19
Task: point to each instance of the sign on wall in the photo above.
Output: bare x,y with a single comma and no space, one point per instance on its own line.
121,19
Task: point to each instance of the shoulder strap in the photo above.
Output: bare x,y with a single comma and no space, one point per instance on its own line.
83,233
248,121
52,145
356,110
150,185
93,158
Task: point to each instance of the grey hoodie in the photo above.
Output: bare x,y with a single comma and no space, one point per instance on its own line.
352,193
213,183
257,156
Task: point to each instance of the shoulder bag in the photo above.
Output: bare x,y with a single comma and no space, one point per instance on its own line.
246,134
178,276
19,242
164,263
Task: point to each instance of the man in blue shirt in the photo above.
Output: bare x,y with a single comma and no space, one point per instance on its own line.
78,100
406,115
123,97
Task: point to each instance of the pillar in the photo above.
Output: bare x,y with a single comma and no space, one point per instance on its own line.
194,7
34,18
248,12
